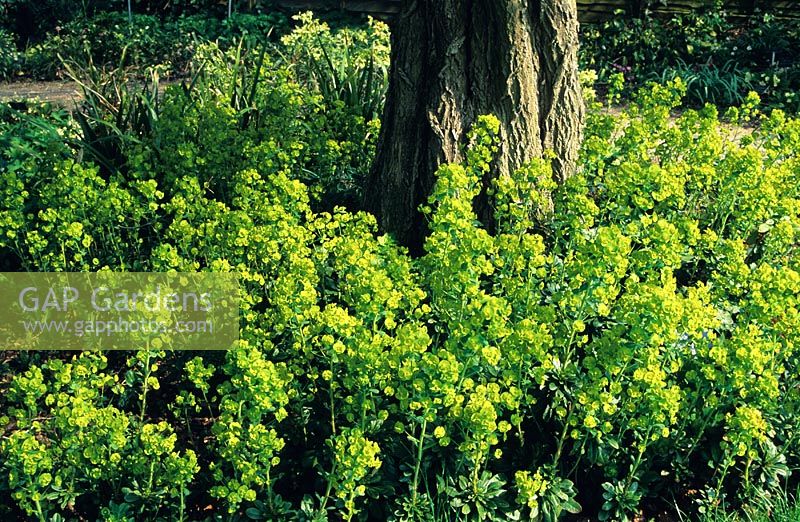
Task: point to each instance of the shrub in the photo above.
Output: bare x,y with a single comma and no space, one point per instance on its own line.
638,46
260,28
100,40
245,111
348,66
33,19
9,57
106,38
723,58
633,328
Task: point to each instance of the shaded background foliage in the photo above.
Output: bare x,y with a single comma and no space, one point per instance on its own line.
722,50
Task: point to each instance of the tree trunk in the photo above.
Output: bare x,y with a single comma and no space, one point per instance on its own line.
454,60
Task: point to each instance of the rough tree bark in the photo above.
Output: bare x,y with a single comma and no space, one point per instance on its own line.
453,60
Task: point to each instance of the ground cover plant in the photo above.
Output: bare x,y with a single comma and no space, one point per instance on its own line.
634,328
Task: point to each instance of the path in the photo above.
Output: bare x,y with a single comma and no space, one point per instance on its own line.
58,93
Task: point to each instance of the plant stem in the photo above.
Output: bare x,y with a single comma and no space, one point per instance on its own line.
331,399
563,437
39,511
145,384
418,463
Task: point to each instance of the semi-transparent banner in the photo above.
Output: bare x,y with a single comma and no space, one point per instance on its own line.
118,311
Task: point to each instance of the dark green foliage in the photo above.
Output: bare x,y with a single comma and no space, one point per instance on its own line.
114,115
706,83
31,20
9,56
721,59
103,39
